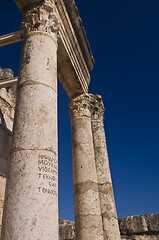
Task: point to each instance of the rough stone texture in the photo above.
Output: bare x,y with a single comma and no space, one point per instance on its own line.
7,101
140,237
7,106
139,224
31,199
5,144
107,203
66,230
6,73
2,193
88,221
144,227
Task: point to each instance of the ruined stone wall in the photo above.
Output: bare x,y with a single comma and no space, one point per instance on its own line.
7,105
143,227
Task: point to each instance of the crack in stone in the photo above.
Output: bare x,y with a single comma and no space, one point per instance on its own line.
28,83
32,149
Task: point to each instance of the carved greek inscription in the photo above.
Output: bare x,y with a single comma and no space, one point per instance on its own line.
47,172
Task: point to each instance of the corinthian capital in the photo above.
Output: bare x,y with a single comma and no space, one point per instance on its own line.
80,107
97,107
42,17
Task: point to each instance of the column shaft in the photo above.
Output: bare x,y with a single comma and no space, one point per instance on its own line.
31,201
107,203
88,221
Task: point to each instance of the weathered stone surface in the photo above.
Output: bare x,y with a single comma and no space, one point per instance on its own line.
152,221
7,101
5,145
133,224
88,221
6,73
140,237
66,230
107,203
7,106
31,199
2,193
139,224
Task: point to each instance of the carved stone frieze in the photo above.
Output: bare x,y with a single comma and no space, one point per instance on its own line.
41,18
97,107
80,107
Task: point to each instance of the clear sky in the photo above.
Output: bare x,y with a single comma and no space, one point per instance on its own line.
124,40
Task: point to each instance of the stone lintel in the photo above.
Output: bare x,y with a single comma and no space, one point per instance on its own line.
74,54
80,32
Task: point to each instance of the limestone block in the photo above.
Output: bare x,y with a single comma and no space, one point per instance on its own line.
66,230
152,222
133,224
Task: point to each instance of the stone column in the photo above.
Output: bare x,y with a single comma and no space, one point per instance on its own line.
31,201
88,221
107,203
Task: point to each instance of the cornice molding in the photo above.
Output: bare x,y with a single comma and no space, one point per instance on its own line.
69,41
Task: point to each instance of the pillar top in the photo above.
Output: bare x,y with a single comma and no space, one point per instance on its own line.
87,105
74,56
80,106
76,22
41,18
97,107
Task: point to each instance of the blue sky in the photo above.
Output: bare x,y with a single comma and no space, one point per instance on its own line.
124,40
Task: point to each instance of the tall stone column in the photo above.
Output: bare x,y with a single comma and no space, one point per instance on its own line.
88,221
107,203
31,201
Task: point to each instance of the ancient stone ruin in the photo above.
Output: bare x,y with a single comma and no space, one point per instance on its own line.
55,46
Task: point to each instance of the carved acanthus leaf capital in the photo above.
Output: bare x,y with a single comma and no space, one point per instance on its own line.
97,107
80,107
41,18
